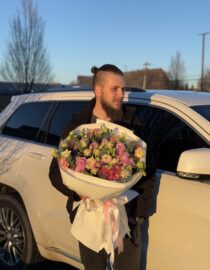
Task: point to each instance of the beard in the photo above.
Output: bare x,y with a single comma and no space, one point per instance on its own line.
114,114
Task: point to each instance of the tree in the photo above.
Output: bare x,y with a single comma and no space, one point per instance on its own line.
26,63
177,72
206,80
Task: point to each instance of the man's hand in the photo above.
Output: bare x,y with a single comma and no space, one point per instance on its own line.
134,225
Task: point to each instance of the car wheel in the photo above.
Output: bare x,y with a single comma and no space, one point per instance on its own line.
17,245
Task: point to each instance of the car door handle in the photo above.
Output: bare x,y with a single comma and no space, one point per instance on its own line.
36,155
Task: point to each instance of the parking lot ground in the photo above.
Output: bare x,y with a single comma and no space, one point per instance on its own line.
52,266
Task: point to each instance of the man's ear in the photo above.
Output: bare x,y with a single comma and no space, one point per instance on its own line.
97,90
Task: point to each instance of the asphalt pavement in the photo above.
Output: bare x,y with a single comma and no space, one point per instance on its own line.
52,266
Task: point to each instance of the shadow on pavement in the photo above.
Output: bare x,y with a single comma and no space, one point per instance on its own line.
52,266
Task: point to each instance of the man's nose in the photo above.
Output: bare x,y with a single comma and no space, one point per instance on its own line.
121,92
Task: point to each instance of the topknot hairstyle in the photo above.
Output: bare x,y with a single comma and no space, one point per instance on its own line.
94,69
106,67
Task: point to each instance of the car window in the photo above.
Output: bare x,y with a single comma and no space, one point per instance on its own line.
204,110
169,135
26,120
64,113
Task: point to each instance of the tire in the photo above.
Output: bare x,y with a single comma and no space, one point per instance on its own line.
18,249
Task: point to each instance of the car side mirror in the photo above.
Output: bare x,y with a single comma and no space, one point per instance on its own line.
194,164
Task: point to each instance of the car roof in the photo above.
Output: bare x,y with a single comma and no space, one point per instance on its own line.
190,98
173,98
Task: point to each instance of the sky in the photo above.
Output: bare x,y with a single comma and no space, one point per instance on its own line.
81,33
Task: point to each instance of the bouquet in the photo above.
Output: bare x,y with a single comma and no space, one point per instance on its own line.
100,162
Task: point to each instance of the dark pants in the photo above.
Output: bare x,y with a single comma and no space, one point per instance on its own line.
128,259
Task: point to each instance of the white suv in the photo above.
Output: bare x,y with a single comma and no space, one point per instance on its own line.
33,216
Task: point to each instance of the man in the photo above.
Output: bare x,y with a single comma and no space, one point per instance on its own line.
108,86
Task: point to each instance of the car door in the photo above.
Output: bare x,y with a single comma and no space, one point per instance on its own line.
32,160
178,236
46,206
58,228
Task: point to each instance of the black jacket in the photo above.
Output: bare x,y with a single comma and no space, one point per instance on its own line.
145,186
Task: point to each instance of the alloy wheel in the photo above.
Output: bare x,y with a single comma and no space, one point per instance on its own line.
12,237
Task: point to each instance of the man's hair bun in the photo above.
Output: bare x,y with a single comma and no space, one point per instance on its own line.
94,69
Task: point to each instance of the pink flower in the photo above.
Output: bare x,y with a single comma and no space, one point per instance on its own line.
93,145
132,162
120,147
63,163
116,173
105,173
113,139
96,131
112,174
124,158
80,164
106,158
104,141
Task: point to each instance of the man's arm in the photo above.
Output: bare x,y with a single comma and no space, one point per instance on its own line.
56,179
146,184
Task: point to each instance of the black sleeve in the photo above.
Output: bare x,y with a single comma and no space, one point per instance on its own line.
56,179
145,186
54,171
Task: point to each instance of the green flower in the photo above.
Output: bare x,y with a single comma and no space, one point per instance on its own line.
65,153
140,165
55,153
84,143
63,144
125,173
96,152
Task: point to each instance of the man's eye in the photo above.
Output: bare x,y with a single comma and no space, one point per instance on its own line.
114,89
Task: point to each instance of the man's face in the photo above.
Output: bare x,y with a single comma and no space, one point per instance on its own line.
111,92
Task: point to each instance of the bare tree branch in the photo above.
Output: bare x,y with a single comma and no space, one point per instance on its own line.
26,63
177,71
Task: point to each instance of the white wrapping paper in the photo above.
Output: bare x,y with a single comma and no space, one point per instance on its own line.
101,225
94,187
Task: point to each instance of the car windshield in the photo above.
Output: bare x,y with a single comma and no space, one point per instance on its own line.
204,110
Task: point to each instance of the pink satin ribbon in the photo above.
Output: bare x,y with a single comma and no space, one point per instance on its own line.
109,206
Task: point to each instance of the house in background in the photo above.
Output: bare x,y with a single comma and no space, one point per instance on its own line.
146,78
